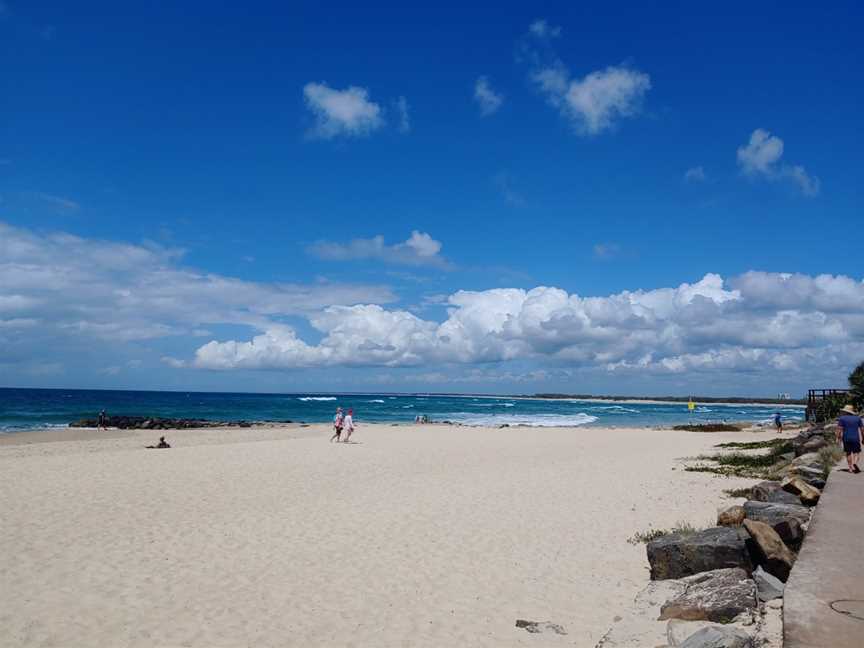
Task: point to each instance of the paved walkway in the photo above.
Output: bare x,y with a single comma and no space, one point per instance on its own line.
823,606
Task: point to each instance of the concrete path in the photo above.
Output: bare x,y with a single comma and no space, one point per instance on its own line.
823,604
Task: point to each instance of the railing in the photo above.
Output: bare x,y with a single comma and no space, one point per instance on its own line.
816,396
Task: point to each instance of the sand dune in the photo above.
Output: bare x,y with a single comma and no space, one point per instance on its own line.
414,536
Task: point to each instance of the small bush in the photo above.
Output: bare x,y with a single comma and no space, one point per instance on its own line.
739,492
681,528
828,458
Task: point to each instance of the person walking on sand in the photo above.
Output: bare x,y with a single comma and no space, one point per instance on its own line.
778,422
102,421
348,423
850,428
337,425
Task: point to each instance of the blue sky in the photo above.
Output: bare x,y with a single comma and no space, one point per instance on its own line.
593,148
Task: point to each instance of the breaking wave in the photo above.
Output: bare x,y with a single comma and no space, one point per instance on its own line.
317,398
528,420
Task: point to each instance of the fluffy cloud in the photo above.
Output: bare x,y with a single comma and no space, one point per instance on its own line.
488,100
59,290
347,112
420,249
757,321
761,156
593,104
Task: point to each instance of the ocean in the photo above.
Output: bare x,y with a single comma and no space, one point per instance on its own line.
30,409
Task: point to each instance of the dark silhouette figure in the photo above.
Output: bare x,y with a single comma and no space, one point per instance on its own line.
162,444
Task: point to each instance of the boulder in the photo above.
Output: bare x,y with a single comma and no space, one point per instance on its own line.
731,516
814,444
771,553
718,637
677,555
808,459
678,630
788,520
719,595
768,587
809,474
805,492
770,491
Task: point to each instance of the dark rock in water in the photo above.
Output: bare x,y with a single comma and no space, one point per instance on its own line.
157,423
718,637
770,491
677,555
769,587
719,595
770,551
540,626
708,427
786,519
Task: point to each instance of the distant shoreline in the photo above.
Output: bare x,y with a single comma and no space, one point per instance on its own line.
588,398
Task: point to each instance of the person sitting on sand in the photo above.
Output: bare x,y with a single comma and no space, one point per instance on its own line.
778,422
850,428
162,444
348,423
337,425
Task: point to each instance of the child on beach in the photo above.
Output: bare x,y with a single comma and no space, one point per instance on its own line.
337,425
348,422
850,428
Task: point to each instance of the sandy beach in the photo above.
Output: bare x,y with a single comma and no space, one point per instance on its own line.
412,536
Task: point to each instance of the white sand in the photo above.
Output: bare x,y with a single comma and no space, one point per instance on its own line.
413,536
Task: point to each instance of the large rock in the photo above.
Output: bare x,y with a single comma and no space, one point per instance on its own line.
731,516
788,520
808,459
678,555
768,587
718,637
771,553
719,595
814,444
805,492
770,491
678,631
809,474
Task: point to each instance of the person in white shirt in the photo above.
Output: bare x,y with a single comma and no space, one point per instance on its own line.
348,425
337,425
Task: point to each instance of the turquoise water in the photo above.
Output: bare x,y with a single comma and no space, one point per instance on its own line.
24,409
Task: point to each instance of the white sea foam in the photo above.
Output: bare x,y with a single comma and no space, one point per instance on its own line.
406,406
375,400
317,398
528,420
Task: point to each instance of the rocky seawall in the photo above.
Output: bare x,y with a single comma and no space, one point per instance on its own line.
722,587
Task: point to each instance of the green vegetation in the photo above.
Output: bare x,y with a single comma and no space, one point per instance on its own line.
856,384
739,492
828,458
753,445
681,528
763,465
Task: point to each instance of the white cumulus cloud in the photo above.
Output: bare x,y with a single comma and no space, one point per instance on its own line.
756,321
761,157
347,112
